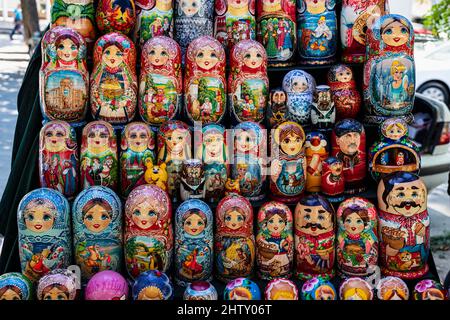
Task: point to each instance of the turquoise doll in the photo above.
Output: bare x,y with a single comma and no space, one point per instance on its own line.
15,286
43,218
318,288
242,289
193,242
97,227
152,285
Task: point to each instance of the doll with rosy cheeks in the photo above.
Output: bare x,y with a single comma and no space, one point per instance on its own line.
15,286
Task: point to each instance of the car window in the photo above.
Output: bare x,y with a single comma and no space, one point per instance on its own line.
442,53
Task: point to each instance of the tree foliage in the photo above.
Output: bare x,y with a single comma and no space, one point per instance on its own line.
438,19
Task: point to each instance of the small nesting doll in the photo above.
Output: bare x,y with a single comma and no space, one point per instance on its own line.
357,240
97,227
99,165
333,184
15,286
249,140
323,110
200,290
274,241
63,77
59,284
277,107
115,16
316,151
174,146
204,82
106,285
346,97
429,289
318,288
113,79
148,228
242,289
317,31
355,289
234,240
192,180
404,225
299,87
288,167
281,289
152,285
193,242
136,150
277,30
160,81
43,218
389,72
392,288
314,237
349,145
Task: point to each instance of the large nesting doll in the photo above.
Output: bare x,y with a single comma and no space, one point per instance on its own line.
59,284
277,107
115,16
249,139
148,230
333,183
317,31
193,242
152,285
204,82
277,30
99,165
357,240
113,79
323,110
58,158
234,245
289,164
274,241
63,77
299,87
316,151
404,225
137,150
389,72
97,227
192,184
160,81
43,218
248,84
15,286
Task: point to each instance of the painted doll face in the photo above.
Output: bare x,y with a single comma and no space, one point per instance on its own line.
344,74
55,138
97,218
158,56
336,168
234,220
325,293
206,58
55,294
291,144
145,214
67,50
10,295
190,7
299,84
349,142
39,216
395,132
313,220
245,141
279,97
407,199
98,137
240,294
276,224
138,139
194,225
177,140
253,58
112,56
150,293
395,34
213,144
354,224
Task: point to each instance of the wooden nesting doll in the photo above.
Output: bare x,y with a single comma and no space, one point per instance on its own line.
63,77
113,79
59,284
356,18
355,289
346,97
349,145
174,146
234,21
333,185
200,290
274,241
392,288
97,227
137,149
289,164
277,107
316,151
15,286
318,288
152,285
241,289
299,87
193,242
404,225
99,159
250,143
58,158
192,180
160,81
115,16
204,82
148,230
323,110
281,289
234,245
106,285
248,84
389,71
357,240
277,30
429,289
317,31
43,218
314,237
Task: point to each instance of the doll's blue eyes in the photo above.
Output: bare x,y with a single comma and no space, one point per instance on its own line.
228,218
47,217
137,213
414,194
152,213
30,217
240,219
307,217
401,195
104,217
388,31
404,30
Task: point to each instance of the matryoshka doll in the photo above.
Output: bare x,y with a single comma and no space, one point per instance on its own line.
277,107
248,84
355,289
192,180
106,285
15,286
137,149
333,184
234,245
316,151
392,288
58,158
148,227
204,82
97,227
429,289
200,290
193,242
160,81
346,97
241,289
299,87
115,16
277,30
323,111
389,72
63,77
281,289
314,237
43,218
274,241
99,165
317,31
288,167
113,79
59,284
318,288
404,225
357,240
152,285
